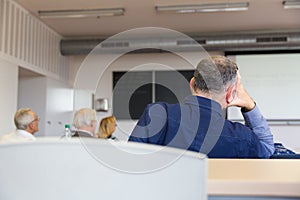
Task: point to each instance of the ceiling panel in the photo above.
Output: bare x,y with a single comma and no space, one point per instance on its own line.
262,15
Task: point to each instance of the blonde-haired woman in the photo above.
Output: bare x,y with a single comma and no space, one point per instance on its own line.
107,127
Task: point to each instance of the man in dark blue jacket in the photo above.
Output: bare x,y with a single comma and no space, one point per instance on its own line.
198,124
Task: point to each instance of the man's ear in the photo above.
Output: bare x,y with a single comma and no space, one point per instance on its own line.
230,94
192,81
30,126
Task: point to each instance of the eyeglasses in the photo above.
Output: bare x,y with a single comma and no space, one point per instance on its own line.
36,119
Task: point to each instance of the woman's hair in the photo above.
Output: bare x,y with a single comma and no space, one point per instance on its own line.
107,127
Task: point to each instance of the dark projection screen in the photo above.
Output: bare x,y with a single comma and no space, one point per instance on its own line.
134,90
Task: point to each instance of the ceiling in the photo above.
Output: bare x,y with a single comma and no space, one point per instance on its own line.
262,15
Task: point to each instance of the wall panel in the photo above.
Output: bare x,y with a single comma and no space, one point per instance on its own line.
27,42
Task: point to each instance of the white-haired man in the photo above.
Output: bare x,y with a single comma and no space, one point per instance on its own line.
85,122
27,124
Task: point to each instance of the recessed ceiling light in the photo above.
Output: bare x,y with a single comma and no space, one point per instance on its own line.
290,4
81,13
221,7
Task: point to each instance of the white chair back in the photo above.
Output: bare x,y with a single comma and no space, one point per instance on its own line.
99,169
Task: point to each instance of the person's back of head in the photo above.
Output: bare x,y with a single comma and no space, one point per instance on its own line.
214,77
26,119
85,119
107,127
214,74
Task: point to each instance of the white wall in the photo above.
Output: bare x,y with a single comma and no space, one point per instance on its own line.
9,92
59,107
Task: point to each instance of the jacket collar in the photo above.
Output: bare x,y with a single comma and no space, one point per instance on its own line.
203,102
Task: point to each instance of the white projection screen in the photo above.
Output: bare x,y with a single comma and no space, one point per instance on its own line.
273,80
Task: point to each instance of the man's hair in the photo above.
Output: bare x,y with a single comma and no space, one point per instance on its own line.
23,118
214,74
84,117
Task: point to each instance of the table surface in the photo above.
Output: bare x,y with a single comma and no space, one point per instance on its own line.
254,177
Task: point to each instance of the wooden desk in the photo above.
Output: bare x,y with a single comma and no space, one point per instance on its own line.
254,177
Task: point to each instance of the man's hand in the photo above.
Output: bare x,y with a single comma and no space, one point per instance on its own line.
242,98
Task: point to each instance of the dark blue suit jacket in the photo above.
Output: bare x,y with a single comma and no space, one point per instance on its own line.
197,125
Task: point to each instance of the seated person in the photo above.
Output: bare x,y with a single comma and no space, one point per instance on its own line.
27,124
106,128
197,124
85,121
